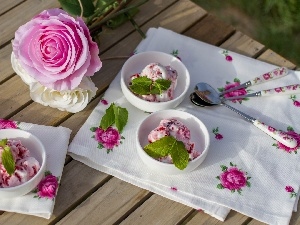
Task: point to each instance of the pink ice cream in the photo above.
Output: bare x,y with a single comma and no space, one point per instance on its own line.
156,71
26,167
176,129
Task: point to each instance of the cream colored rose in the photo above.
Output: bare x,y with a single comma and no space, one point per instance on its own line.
69,100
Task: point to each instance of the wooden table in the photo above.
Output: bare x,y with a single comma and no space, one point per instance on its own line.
87,196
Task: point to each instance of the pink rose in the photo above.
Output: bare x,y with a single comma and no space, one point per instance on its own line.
218,136
109,138
47,187
267,76
296,103
228,58
56,50
279,89
272,129
8,124
288,149
233,179
289,189
238,92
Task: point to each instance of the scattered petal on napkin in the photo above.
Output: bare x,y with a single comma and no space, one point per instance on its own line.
42,203
245,170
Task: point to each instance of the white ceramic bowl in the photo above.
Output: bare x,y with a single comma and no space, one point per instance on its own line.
199,135
36,149
136,63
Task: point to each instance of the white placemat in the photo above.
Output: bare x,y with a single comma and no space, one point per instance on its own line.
245,170
32,203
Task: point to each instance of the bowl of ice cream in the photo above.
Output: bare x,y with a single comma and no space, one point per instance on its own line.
172,141
153,81
22,162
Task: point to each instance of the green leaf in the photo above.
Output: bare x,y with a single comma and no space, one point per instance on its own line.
3,142
224,168
8,160
179,155
169,145
145,86
220,186
109,117
121,117
162,85
159,148
93,129
73,7
141,85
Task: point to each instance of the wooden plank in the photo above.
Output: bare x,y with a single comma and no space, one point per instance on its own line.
6,70
158,210
146,12
107,205
7,5
272,57
243,44
21,14
212,30
77,181
11,101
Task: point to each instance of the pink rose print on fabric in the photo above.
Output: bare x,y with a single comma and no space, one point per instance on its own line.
233,179
218,136
47,188
227,56
174,189
290,189
108,138
296,136
8,124
295,102
239,92
103,101
108,133
176,53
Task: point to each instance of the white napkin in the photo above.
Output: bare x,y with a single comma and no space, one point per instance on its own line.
273,174
56,152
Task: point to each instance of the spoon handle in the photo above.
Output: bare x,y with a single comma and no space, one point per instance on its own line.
278,135
290,89
269,76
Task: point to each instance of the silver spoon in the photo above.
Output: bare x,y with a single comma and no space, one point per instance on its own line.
214,99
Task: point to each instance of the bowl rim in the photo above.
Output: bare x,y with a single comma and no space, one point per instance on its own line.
43,151
187,77
171,165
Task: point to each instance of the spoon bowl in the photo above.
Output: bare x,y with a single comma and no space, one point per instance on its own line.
209,95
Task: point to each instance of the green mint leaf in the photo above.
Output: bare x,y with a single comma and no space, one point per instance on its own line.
145,86
121,117
8,160
3,142
141,85
162,85
179,155
169,145
160,148
73,7
109,117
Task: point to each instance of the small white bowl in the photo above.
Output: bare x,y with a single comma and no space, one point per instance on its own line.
136,63
199,135
36,149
